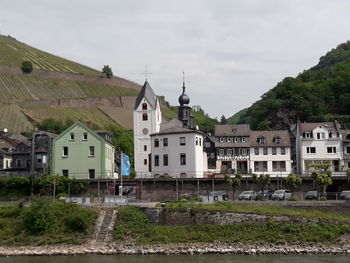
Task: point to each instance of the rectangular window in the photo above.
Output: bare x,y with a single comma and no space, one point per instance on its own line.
229,152
165,142
156,160
165,160
65,151
221,152
348,149
265,150
318,136
310,150
182,140
145,161
145,148
85,136
182,158
200,141
19,163
91,173
274,152
274,165
71,136
196,140
331,149
244,151
92,151
330,134
283,165
283,150
65,173
264,166
256,166
256,151
156,143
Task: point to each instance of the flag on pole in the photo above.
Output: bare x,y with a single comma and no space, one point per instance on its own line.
125,165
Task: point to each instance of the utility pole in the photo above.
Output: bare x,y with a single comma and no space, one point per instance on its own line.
32,165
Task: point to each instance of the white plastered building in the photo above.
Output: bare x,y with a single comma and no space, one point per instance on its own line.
147,119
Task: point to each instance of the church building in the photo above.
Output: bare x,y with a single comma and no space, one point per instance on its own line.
177,149
147,120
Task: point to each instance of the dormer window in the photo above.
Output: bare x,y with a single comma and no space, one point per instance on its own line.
277,140
229,139
71,136
144,106
261,140
221,139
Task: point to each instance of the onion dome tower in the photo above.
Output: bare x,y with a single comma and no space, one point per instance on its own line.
184,113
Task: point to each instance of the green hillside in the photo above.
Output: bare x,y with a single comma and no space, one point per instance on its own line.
13,53
321,93
25,99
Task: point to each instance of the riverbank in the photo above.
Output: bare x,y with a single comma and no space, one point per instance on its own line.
177,249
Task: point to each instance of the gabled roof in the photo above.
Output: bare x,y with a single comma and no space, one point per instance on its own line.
308,127
85,128
232,130
147,93
269,136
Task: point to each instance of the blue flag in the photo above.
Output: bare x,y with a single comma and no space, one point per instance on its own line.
125,165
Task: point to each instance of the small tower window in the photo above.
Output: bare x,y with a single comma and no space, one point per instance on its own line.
144,106
145,117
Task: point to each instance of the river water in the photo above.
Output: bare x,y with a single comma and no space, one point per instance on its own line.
175,259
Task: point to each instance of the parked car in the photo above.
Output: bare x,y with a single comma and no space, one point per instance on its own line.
247,195
312,195
345,195
266,195
280,195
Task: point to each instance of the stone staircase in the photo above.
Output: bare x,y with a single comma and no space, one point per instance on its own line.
104,227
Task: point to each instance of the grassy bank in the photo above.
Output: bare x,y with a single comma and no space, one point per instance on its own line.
45,222
265,210
133,226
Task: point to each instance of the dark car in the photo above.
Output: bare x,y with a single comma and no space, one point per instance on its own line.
312,195
281,195
345,195
247,195
264,196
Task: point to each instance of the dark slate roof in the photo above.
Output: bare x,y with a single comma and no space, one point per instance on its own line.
174,126
147,93
269,135
232,130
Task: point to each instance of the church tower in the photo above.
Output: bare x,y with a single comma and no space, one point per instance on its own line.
184,112
147,119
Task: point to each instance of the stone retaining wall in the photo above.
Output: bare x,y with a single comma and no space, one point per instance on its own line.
188,216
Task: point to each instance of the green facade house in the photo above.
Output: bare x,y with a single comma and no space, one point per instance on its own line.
81,153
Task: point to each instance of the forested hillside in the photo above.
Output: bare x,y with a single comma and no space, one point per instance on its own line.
321,93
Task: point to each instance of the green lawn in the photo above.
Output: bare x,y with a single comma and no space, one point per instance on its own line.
45,222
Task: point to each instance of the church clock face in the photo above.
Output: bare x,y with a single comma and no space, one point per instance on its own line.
145,131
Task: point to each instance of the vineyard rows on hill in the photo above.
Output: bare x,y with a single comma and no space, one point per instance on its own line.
42,112
13,53
15,87
13,119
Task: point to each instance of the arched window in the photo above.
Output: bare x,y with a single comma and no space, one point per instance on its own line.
144,106
145,117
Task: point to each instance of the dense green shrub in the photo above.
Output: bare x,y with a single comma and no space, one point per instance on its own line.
27,67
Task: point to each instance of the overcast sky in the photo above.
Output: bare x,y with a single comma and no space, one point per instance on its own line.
232,51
